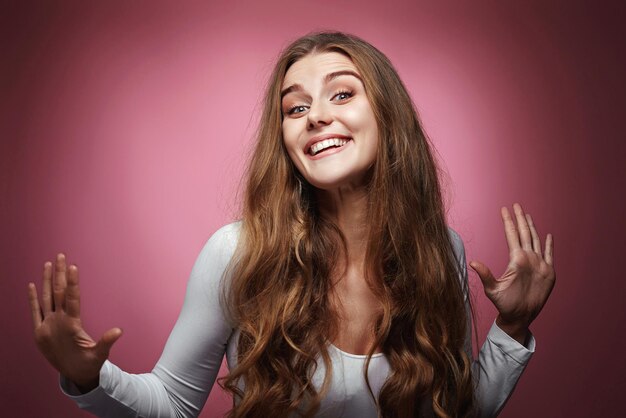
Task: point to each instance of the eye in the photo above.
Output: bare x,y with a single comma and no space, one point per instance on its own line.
296,109
343,94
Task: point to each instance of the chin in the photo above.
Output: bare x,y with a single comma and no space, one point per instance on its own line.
340,181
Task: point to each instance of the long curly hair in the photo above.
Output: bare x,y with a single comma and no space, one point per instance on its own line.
279,286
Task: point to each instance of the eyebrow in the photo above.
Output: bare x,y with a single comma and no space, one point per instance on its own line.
327,79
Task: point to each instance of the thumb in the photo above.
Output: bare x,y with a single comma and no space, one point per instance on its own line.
103,347
484,273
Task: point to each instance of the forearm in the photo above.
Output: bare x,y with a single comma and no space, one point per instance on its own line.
120,394
500,364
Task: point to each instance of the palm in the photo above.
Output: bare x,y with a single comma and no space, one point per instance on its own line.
524,287
58,329
71,346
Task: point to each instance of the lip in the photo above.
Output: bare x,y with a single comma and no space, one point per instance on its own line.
329,152
319,138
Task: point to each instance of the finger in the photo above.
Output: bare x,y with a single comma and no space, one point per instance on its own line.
60,282
549,249
510,231
46,291
34,305
522,227
533,233
484,273
72,293
103,347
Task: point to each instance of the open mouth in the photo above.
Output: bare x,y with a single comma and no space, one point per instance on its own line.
327,144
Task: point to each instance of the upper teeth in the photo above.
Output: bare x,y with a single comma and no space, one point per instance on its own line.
327,143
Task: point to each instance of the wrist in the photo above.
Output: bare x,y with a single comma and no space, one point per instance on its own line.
87,386
517,331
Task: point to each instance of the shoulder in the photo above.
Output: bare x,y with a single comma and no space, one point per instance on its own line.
218,249
457,243
227,235
459,255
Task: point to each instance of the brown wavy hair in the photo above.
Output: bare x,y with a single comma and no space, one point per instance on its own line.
279,288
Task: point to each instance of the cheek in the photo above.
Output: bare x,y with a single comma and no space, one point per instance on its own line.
365,122
361,117
371,126
290,131
372,142
290,140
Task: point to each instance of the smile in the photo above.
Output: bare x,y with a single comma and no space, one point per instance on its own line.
336,145
326,144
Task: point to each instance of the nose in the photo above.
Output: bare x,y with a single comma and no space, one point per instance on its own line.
319,115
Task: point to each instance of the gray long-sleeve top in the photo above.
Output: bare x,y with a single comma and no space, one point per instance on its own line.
180,383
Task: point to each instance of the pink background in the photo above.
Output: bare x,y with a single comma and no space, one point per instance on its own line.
125,125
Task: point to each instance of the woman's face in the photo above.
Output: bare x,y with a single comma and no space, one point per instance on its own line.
328,126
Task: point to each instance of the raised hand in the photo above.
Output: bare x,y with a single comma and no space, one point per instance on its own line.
523,289
58,330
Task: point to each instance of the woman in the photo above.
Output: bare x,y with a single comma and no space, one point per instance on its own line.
342,263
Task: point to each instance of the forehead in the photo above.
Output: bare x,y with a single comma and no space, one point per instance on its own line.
317,65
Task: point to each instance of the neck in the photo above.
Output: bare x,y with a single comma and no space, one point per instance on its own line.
347,207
